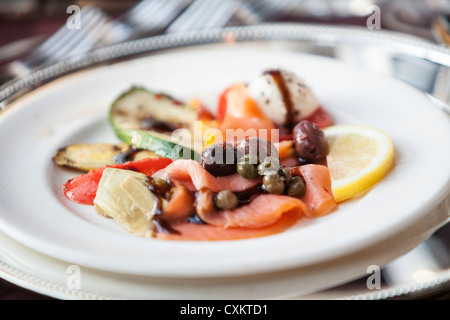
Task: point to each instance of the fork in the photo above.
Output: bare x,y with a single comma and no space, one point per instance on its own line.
65,42
153,16
265,10
204,14
149,17
217,13
97,30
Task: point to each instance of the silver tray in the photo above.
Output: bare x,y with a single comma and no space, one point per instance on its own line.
413,60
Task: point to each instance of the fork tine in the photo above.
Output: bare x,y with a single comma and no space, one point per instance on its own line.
222,15
155,19
85,41
67,39
172,9
132,23
189,14
138,15
206,15
65,48
63,32
194,16
265,9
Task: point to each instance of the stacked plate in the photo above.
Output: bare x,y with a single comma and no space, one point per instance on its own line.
67,251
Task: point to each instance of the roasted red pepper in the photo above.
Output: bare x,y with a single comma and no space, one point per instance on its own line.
82,189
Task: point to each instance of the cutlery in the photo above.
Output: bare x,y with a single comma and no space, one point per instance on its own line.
217,13
18,48
97,29
64,43
204,14
149,17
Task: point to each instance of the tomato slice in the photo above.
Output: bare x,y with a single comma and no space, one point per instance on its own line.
222,105
83,189
321,118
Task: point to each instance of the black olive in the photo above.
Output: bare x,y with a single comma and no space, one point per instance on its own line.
257,146
220,159
310,143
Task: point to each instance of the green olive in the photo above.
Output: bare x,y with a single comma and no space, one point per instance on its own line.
274,183
226,200
269,165
246,166
297,187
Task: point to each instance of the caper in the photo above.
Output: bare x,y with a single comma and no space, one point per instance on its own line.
287,174
247,170
246,166
274,183
269,165
250,158
296,188
226,200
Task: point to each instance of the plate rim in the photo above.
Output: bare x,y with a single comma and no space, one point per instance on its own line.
53,288
328,35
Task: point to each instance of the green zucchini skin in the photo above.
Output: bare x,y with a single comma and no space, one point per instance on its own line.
141,139
128,129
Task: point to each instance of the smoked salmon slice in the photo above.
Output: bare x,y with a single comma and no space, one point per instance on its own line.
205,232
180,206
243,114
262,211
264,214
318,197
193,176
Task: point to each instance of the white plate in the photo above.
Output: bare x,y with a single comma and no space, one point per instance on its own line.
74,108
59,279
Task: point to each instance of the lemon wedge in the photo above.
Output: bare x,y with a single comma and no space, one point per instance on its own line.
359,157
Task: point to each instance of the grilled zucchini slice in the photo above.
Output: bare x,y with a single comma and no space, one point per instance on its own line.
91,156
148,121
85,157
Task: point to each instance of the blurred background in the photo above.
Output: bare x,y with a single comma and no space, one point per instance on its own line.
36,32
24,19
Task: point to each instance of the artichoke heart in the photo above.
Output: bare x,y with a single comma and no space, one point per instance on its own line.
124,196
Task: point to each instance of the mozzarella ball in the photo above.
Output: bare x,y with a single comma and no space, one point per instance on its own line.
282,96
